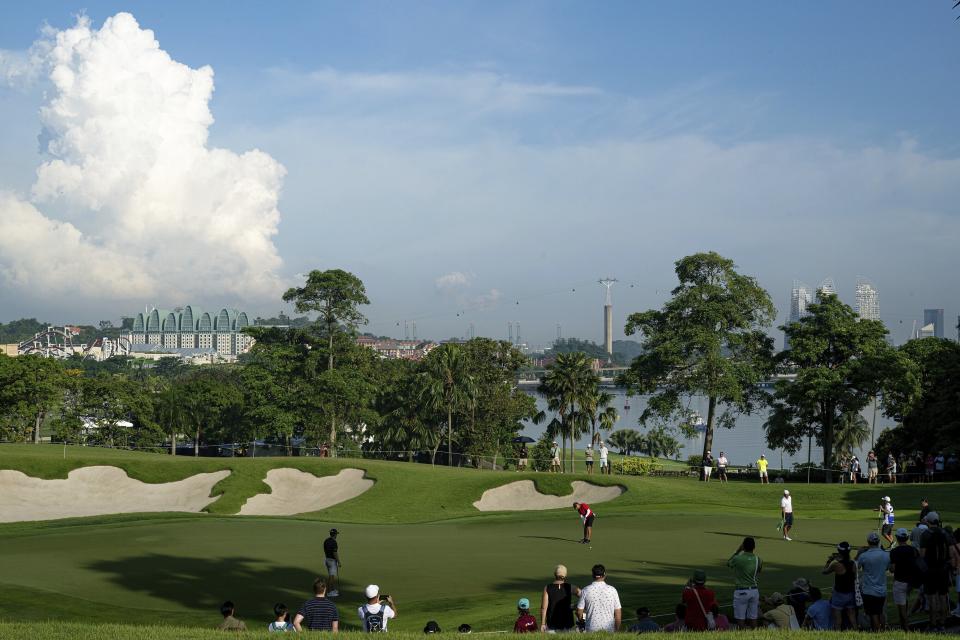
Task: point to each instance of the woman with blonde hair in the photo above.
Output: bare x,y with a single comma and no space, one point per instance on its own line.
556,607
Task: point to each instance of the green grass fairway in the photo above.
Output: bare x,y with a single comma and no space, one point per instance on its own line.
415,534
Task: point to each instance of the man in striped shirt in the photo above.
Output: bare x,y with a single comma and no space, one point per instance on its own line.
319,613
587,516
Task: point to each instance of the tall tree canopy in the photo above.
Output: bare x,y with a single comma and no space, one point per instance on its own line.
707,340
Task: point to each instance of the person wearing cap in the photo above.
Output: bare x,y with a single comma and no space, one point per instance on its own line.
599,605
746,595
854,469
762,468
331,551
319,613
873,469
844,600
798,596
707,466
588,458
556,604
525,623
555,458
644,623
873,563
699,600
906,573
891,468
604,458
375,615
887,517
786,513
925,508
935,552
722,467
588,516
780,615
431,627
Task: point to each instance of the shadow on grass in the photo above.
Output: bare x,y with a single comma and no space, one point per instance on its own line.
776,538
551,538
203,584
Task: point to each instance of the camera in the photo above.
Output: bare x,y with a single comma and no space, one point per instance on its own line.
384,596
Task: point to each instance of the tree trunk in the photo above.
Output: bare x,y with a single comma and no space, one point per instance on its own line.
573,453
433,458
449,436
828,444
36,426
708,433
196,444
173,443
333,416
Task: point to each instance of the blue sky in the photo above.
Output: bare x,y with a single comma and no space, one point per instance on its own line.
488,161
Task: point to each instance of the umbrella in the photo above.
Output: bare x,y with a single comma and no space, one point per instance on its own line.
524,439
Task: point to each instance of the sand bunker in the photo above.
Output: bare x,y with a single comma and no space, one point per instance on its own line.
94,491
523,496
296,492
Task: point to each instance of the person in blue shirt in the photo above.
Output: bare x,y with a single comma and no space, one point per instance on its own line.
873,563
819,616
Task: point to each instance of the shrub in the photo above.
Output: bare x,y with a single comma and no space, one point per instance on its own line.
630,466
695,461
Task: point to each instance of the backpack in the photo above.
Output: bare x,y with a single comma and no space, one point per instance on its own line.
374,622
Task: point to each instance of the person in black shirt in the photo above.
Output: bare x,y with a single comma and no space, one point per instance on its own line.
332,552
556,607
906,575
925,508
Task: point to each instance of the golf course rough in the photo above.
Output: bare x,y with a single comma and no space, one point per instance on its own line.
99,490
295,492
523,496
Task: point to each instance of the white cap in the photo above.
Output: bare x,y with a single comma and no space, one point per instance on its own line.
372,591
886,498
786,492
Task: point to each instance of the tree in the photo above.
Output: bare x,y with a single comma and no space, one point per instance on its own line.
30,386
598,405
335,295
446,385
567,384
708,340
207,396
851,432
841,363
626,440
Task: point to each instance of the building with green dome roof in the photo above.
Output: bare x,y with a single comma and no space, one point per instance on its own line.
190,328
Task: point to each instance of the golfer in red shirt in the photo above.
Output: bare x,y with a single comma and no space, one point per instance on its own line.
587,516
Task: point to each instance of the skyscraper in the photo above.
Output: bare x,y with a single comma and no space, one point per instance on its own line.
827,287
800,297
934,317
868,301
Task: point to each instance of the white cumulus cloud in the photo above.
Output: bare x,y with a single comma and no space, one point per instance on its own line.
452,282
145,209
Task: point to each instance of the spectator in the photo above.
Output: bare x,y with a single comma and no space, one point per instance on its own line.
644,624
872,468
699,600
588,458
722,622
891,468
525,623
280,623
679,614
955,564
556,604
599,606
929,464
318,613
464,628
854,469
746,595
707,466
230,621
780,615
873,564
939,464
818,615
935,552
331,552
722,463
604,459
798,596
918,532
555,458
522,456
762,468
844,573
906,574
431,627
375,615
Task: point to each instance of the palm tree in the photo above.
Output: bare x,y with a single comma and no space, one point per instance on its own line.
567,382
852,430
447,385
599,406
626,440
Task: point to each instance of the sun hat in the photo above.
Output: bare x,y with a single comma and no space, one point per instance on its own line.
699,576
932,518
523,603
560,571
843,546
432,627
902,533
873,537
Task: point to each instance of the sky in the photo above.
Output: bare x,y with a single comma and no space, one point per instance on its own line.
475,162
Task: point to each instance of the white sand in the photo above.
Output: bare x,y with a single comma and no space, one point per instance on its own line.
296,491
94,491
523,496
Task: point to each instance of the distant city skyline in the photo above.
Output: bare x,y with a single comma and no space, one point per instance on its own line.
474,163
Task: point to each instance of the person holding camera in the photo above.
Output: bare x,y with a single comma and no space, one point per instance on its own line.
375,614
844,599
746,595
